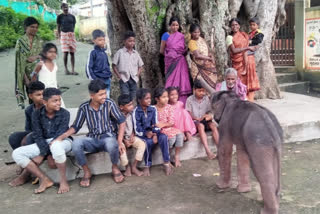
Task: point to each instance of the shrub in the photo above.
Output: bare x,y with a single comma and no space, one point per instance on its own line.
11,27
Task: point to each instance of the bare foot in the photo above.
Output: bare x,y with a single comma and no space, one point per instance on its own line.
146,171
242,188
127,173
177,162
85,182
67,72
19,181
64,187
211,156
189,136
168,169
45,183
223,185
136,172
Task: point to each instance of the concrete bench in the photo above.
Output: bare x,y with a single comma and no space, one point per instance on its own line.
99,163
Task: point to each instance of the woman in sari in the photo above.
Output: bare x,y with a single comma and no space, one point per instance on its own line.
238,45
202,64
176,67
28,48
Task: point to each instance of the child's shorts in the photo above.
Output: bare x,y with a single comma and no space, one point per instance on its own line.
206,124
176,141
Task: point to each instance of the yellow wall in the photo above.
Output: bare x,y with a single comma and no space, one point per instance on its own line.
312,12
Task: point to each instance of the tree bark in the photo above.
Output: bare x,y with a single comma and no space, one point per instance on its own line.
149,19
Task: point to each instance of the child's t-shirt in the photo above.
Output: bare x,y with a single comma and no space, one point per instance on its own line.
145,121
167,116
128,64
129,126
255,37
198,108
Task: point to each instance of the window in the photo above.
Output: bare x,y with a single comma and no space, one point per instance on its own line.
314,3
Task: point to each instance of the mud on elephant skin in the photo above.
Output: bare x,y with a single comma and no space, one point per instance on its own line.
258,137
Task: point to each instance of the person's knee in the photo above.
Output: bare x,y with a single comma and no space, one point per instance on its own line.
58,153
20,158
162,138
111,145
77,145
149,142
12,141
200,127
124,159
179,140
60,158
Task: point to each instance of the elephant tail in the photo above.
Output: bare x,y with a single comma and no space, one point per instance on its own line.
277,170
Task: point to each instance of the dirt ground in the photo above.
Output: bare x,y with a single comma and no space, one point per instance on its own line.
180,193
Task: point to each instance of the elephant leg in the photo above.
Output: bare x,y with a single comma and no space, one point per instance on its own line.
243,169
224,157
262,160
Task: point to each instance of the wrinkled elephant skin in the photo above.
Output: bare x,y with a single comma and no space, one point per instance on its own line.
257,135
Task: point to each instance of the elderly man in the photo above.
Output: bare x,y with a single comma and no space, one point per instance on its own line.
232,83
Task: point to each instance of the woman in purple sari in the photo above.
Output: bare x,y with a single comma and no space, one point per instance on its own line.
176,67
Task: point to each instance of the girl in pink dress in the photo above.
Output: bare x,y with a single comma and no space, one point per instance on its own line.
165,122
182,118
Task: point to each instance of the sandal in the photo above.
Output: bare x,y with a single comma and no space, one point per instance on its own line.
87,181
117,175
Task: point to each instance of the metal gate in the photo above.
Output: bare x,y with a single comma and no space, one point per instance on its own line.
282,47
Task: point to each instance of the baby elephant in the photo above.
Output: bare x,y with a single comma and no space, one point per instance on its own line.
258,138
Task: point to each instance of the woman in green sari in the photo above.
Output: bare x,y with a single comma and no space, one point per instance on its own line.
28,48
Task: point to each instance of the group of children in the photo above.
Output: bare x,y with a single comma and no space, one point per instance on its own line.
112,128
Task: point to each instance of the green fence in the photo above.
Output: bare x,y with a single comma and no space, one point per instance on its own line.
30,9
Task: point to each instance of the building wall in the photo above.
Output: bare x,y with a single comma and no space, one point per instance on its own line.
87,25
312,38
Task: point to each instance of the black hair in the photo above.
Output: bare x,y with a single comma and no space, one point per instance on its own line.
197,84
30,21
128,34
96,85
49,92
35,86
173,88
255,20
64,5
234,20
158,92
142,93
194,27
97,33
46,47
174,19
124,99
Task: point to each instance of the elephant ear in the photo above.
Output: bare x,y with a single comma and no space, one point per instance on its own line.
219,102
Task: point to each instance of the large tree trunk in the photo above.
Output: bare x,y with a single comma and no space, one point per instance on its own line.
149,20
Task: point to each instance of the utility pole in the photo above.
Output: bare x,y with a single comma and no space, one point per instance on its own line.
91,7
